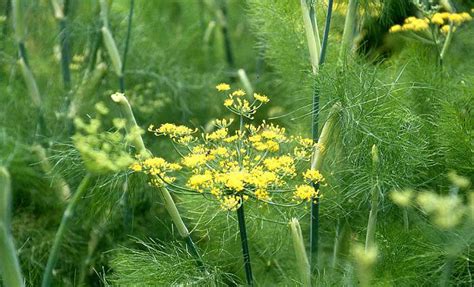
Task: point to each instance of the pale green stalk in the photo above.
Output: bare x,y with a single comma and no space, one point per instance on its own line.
320,152
447,42
58,183
9,264
313,43
349,27
314,24
300,252
131,124
112,50
30,82
372,223
246,82
18,23
169,203
58,239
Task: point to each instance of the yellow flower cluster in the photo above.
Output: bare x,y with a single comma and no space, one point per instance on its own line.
158,169
180,134
444,20
237,104
306,192
411,24
234,164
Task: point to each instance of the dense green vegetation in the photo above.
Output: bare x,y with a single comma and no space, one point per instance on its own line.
381,112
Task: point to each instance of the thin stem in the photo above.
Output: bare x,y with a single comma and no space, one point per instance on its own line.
129,33
447,42
244,241
67,215
127,44
314,232
327,27
406,222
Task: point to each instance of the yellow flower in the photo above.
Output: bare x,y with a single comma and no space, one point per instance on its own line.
465,16
313,175
437,19
261,98
200,181
217,135
262,194
136,167
223,87
228,102
305,192
230,203
238,93
445,29
194,160
395,28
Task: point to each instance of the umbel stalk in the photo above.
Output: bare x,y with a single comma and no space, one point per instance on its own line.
245,246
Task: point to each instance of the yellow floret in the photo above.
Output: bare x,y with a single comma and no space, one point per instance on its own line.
305,192
223,87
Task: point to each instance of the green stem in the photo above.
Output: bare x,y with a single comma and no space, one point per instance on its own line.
314,232
178,222
447,42
225,33
9,265
349,27
67,215
327,28
245,246
371,226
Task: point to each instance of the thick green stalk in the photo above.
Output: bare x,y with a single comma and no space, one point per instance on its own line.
372,223
33,91
169,203
222,17
131,124
172,210
245,246
112,50
447,43
59,185
246,82
9,265
300,252
58,239
349,28
321,149
314,47
18,20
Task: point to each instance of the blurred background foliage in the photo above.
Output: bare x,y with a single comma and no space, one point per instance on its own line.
392,91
